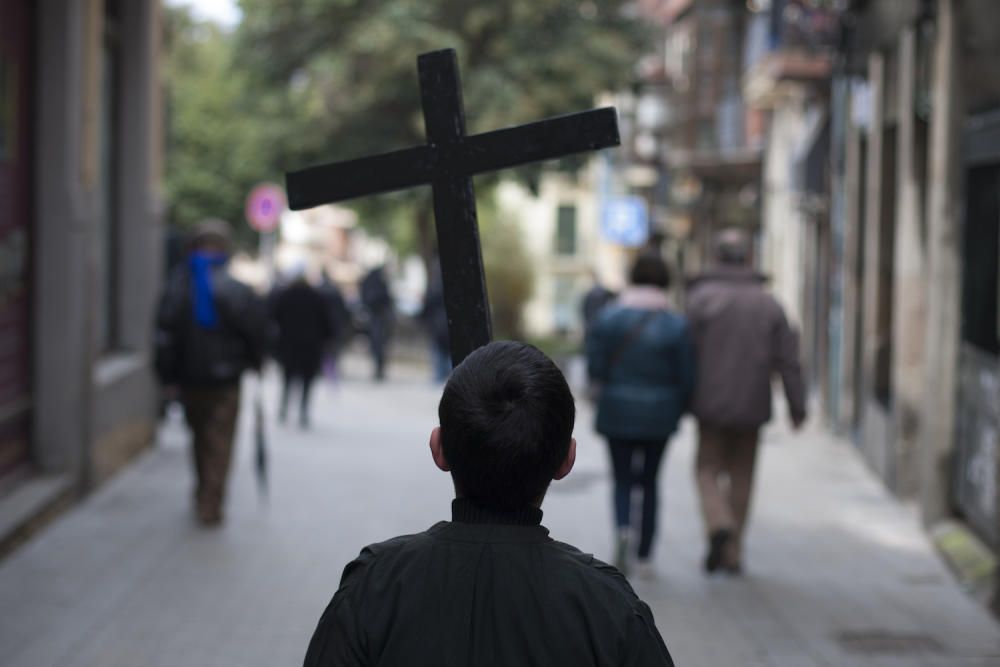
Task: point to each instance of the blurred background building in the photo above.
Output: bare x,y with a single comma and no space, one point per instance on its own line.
913,261
858,141
80,242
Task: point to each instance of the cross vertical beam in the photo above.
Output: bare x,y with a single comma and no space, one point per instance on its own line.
465,298
447,162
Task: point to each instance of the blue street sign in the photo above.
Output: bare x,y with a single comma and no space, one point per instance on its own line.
625,220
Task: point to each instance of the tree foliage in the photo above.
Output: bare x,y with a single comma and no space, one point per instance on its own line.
346,70
309,81
509,272
217,138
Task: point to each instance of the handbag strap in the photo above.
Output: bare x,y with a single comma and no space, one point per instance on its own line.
629,338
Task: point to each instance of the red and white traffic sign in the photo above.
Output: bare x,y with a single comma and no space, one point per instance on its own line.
265,204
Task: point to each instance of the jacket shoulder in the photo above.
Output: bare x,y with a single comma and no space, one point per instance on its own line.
617,319
177,284
228,286
675,320
602,579
372,554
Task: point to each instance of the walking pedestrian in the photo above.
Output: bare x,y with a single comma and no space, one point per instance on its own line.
490,587
594,301
340,320
742,340
303,327
640,357
210,328
435,320
378,303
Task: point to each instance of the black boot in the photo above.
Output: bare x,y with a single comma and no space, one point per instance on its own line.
717,542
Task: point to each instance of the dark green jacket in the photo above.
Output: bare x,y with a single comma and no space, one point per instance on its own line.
646,383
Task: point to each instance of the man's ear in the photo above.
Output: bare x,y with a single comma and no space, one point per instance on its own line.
436,452
567,464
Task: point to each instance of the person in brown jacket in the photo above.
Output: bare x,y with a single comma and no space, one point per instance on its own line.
742,339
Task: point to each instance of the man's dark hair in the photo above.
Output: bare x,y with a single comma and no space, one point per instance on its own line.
650,269
212,233
506,421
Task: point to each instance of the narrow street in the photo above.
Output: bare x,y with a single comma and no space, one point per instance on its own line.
839,574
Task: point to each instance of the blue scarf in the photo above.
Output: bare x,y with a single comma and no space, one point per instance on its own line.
201,264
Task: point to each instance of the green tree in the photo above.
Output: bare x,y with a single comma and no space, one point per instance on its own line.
510,275
217,135
346,70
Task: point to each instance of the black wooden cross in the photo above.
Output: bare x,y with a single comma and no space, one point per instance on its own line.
447,162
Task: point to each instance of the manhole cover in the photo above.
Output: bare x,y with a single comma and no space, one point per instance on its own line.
885,642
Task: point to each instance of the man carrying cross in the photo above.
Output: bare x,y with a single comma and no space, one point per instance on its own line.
490,586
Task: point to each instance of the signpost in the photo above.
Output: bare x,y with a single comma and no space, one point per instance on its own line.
265,204
625,220
447,163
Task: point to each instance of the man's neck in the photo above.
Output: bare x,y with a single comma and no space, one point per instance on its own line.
464,510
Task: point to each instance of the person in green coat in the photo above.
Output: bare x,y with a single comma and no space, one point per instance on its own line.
641,359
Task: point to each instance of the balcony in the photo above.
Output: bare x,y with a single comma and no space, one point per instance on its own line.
788,46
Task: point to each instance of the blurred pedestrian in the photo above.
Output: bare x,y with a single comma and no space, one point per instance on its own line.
594,301
210,328
742,339
640,357
379,306
435,319
340,320
303,327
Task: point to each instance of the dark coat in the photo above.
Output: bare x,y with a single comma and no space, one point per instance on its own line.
484,590
596,298
433,313
188,354
645,384
743,340
340,315
375,294
302,320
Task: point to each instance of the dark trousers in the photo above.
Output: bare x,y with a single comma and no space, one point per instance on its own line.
724,470
211,413
378,339
305,381
635,464
440,361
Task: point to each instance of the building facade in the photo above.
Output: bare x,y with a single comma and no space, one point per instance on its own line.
561,231
80,235
873,199
881,220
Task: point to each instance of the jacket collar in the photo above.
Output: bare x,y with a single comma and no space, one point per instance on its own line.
644,297
472,523
466,511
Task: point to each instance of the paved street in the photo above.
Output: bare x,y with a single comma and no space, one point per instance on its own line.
838,573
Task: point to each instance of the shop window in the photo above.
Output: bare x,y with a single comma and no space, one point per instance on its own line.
981,279
566,230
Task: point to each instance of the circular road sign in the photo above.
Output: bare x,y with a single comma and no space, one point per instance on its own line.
265,204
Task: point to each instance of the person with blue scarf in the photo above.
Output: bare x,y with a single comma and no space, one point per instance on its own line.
202,263
210,329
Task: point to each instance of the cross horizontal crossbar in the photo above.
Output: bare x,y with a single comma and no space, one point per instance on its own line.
475,154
